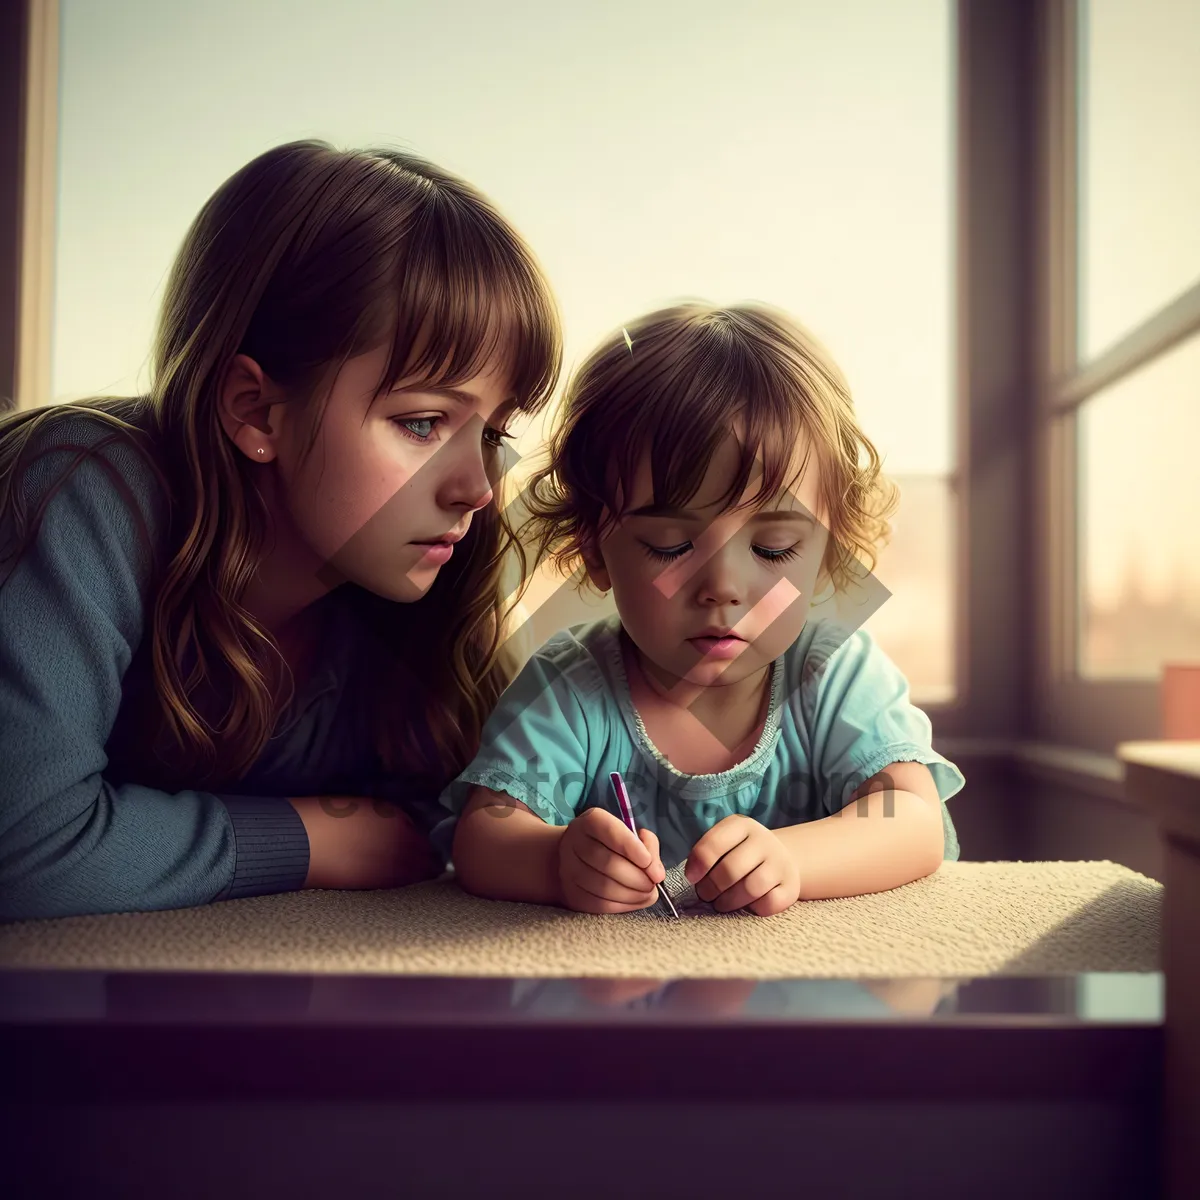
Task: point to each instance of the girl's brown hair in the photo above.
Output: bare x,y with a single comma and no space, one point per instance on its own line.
304,258
675,390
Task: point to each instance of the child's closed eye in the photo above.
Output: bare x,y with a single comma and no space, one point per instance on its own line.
764,552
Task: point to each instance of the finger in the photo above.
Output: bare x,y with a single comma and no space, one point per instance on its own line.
604,887
775,901
735,866
716,843
581,900
616,835
752,886
655,871
616,866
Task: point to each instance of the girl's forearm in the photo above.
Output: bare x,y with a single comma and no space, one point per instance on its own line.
354,842
879,842
507,853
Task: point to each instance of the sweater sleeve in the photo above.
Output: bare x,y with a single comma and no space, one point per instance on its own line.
71,618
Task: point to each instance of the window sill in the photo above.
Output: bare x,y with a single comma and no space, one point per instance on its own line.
1094,774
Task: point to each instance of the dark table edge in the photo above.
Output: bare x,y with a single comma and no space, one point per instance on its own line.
106,1062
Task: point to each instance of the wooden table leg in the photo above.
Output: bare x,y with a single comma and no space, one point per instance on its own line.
1164,778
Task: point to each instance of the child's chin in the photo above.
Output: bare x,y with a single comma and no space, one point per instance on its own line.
715,671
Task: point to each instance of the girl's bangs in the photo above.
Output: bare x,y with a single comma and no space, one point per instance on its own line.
468,296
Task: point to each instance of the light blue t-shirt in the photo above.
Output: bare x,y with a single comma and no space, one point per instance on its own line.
839,713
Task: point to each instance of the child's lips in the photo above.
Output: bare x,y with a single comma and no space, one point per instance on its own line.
719,647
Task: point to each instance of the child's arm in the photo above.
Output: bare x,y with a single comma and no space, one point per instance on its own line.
882,783
889,834
505,851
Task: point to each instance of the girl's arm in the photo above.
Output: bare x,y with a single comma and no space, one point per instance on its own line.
71,616
355,843
504,851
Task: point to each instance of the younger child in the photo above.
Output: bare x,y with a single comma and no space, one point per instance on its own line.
709,469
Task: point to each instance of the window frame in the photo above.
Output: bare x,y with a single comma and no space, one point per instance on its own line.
1067,707
29,153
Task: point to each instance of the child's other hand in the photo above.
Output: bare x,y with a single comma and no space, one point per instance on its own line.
604,868
612,992
740,863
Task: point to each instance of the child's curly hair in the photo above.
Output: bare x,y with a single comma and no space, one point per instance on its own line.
675,389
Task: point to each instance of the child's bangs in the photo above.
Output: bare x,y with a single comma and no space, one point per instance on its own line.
469,295
697,395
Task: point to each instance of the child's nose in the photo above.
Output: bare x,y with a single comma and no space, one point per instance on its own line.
721,581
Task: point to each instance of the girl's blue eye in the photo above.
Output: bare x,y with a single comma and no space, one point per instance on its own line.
762,551
405,424
492,437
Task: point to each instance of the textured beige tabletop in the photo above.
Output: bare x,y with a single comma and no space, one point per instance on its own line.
967,919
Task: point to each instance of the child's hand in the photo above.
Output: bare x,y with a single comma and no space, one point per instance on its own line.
740,863
616,991
604,868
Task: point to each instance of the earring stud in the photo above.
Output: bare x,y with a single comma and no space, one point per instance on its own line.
260,450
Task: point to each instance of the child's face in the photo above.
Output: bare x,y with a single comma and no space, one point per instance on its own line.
387,473
721,576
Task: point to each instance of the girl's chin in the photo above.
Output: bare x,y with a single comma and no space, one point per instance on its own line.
410,587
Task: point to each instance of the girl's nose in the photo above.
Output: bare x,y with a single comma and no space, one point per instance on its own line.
465,480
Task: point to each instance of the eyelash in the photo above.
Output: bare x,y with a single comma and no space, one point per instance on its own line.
499,436
772,556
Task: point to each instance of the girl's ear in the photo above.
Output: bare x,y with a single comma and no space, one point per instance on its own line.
244,403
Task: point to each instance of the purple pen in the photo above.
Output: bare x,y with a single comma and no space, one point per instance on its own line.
626,808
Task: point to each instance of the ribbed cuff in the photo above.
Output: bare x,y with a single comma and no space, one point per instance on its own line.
271,846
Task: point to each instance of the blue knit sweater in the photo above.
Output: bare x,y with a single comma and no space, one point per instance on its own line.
82,829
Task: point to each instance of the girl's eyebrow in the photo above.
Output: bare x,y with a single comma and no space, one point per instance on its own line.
459,395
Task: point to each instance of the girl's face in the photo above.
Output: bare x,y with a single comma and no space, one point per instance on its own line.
385,474
674,575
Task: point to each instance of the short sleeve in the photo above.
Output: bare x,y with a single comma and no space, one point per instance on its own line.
855,702
534,745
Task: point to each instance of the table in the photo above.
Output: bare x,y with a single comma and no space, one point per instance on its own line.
193,1084
995,1029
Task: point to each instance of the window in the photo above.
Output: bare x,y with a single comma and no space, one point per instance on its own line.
800,154
1121,369
1139,170
1140,520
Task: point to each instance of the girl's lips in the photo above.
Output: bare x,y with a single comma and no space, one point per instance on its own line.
435,552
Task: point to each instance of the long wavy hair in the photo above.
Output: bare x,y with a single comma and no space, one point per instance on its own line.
674,390
304,258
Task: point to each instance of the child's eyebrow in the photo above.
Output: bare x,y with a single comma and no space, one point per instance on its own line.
688,514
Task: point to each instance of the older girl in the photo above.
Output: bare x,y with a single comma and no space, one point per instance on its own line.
248,620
